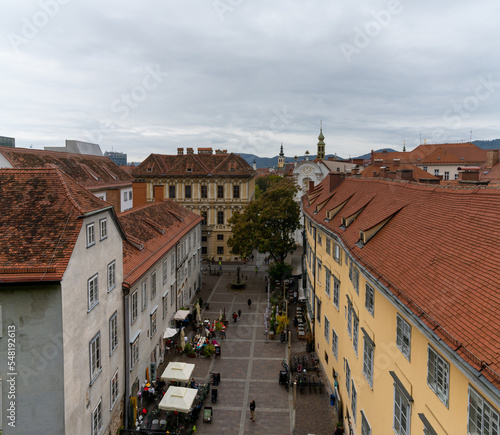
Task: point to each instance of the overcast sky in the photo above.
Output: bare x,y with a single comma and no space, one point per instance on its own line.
248,75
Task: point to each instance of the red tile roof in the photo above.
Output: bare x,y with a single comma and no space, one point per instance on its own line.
40,222
92,172
418,173
193,165
157,227
439,254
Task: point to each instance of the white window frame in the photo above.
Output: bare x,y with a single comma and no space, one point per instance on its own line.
446,175
114,389
95,357
438,375
134,301
97,418
153,284
370,299
354,396
111,275
403,337
153,323
90,231
399,400
144,294
164,301
93,291
327,330
113,333
335,344
336,292
327,282
483,413
103,229
368,351
172,262
348,378
318,310
318,275
134,352
355,331
365,425
165,270
349,320
336,253
328,246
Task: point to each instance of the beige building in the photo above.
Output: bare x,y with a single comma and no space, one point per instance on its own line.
213,185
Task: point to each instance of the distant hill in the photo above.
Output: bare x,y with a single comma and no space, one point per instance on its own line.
487,144
368,155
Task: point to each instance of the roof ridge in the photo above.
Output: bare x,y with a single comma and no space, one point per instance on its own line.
66,188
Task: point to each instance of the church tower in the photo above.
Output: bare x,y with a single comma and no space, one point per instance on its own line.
321,143
281,158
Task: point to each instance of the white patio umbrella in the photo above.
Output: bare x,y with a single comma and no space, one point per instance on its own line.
178,399
183,343
198,312
178,372
170,332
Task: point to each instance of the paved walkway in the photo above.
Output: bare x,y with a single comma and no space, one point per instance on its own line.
249,365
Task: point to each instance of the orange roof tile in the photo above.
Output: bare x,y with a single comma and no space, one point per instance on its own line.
157,227
438,254
92,172
40,221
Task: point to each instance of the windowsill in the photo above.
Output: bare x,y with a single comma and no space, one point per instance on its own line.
92,307
111,289
103,238
95,377
90,246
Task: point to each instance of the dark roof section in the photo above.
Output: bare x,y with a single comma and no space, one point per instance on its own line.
193,165
92,172
40,222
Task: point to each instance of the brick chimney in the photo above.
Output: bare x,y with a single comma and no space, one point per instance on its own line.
158,192
180,151
335,178
189,151
404,174
384,171
470,173
491,158
311,186
395,162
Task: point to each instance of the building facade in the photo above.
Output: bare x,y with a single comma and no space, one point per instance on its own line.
399,295
61,307
212,185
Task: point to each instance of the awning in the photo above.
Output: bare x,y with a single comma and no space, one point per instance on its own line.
170,332
178,399
178,371
181,315
301,295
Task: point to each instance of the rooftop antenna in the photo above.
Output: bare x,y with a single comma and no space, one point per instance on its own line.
470,140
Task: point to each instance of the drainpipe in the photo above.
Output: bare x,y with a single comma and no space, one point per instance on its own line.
315,278
126,292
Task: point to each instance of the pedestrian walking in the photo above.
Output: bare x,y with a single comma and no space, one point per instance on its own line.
252,410
249,303
235,317
239,314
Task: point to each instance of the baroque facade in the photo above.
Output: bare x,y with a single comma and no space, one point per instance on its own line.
213,185
401,283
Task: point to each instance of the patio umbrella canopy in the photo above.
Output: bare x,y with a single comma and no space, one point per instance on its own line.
178,371
181,315
170,332
183,342
178,399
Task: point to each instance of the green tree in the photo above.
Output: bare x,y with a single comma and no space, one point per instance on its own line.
268,224
263,183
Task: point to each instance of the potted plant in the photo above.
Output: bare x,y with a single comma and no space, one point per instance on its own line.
272,327
209,350
189,351
282,323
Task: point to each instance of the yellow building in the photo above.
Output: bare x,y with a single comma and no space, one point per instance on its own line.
402,292
212,185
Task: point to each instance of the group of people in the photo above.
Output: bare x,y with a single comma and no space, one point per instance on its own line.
236,316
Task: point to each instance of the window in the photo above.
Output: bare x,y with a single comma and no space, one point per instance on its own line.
113,333
348,378
327,282
103,228
336,253
90,235
482,417
204,192
424,168
369,298
335,344
204,250
319,271
401,412
172,294
403,336
172,263
327,330
349,319
152,323
220,218
319,238
318,311
353,401
438,375
220,236
93,292
204,216
220,191
187,192
457,176
111,275
114,389
220,250
130,195
133,307
368,360
446,175
165,270
365,426
171,192
354,276
328,246
355,324
165,304
153,284
144,292
125,196
134,353
95,356
336,292
236,192
436,172
97,419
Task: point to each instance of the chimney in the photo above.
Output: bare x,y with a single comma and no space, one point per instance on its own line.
468,174
189,151
180,151
355,170
311,186
158,193
395,162
404,174
384,170
491,158
335,179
